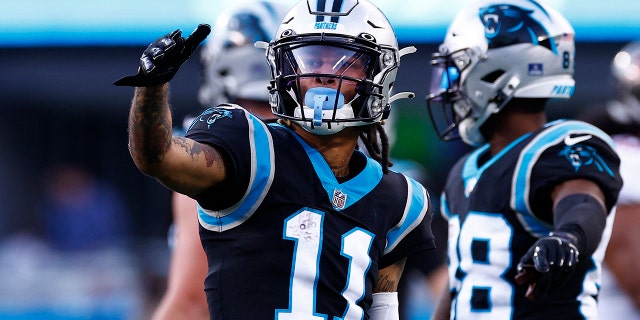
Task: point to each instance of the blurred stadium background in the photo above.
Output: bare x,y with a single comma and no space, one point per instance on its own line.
83,234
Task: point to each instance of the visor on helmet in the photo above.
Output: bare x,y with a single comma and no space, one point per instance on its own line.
328,81
445,102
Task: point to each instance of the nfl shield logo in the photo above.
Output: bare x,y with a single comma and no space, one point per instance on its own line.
339,199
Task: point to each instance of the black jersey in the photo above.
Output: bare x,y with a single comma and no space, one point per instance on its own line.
497,210
284,239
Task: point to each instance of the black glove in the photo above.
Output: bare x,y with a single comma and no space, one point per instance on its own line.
163,57
549,263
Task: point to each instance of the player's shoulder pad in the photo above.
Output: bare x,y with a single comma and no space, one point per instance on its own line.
211,115
572,132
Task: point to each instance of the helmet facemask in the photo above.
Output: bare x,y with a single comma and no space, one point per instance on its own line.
446,103
327,83
352,36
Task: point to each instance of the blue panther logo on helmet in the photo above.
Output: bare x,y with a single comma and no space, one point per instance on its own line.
506,25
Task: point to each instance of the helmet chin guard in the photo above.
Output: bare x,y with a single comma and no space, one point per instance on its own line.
322,103
470,130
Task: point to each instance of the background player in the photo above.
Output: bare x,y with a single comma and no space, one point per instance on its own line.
235,71
528,208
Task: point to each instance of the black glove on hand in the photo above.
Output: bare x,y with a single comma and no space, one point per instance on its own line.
549,263
162,58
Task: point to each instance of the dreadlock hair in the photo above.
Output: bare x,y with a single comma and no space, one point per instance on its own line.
377,150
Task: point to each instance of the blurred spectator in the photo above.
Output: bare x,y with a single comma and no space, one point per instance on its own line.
620,118
80,212
82,266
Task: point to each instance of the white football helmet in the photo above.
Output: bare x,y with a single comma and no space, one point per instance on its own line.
496,50
233,67
321,49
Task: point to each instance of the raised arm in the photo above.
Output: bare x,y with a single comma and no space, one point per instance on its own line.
179,163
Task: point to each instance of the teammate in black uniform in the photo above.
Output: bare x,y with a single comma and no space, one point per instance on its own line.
235,71
528,208
296,223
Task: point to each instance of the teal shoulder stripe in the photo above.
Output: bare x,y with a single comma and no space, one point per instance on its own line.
552,135
444,206
261,177
414,212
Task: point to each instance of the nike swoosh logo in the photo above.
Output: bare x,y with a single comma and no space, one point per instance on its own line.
571,141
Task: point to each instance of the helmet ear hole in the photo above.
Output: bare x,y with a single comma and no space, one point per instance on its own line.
493,76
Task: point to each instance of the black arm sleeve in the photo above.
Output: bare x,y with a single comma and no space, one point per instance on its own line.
583,216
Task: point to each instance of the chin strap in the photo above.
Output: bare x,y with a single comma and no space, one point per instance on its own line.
469,128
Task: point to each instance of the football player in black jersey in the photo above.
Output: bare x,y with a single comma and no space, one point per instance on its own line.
530,209
235,71
296,222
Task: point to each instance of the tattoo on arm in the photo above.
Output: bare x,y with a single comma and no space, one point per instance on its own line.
389,277
150,128
195,150
386,284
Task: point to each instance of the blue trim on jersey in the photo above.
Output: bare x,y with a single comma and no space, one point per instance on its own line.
588,301
551,136
444,206
415,210
262,171
354,189
470,171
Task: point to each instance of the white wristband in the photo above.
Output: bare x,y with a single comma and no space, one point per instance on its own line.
384,306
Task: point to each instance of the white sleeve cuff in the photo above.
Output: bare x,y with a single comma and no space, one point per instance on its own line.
384,306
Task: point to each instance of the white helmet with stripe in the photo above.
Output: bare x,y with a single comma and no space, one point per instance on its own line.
333,65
